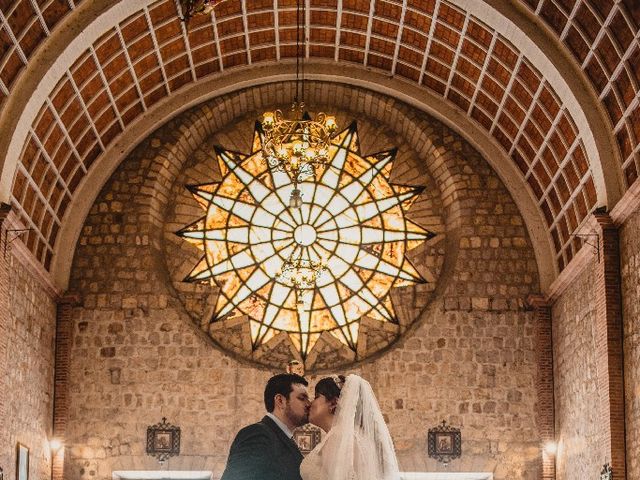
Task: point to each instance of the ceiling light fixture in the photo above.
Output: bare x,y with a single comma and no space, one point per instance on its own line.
191,8
298,145
301,275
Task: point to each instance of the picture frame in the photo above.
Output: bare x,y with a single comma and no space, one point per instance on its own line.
22,462
307,437
163,440
444,443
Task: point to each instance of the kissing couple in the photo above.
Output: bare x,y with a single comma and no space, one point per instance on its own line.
357,444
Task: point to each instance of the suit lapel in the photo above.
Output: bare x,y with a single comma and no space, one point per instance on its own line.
288,442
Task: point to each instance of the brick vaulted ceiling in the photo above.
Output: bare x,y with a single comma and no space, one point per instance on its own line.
436,44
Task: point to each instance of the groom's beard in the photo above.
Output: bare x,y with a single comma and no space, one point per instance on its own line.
297,419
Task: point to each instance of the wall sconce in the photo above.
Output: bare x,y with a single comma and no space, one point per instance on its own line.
551,448
55,444
10,236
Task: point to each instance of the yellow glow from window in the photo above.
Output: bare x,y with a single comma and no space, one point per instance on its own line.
352,218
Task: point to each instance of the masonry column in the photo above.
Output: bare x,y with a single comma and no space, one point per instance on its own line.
4,321
545,411
609,353
64,333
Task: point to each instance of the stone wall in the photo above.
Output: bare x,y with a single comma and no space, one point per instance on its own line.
575,380
474,369
630,272
138,354
27,328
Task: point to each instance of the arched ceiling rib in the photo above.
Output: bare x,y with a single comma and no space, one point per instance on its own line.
434,43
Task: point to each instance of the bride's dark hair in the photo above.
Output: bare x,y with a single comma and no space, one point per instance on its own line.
330,387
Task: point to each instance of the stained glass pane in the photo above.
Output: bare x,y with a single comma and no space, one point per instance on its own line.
352,218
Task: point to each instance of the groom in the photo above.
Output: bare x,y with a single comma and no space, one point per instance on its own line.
266,450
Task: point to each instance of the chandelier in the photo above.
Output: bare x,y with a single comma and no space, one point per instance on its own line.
191,8
301,275
298,145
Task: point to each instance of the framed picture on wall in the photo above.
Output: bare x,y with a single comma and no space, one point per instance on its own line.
163,440
22,462
444,443
307,437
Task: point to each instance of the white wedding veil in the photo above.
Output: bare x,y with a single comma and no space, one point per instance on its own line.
359,446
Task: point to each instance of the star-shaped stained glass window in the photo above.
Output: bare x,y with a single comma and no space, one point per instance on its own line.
352,220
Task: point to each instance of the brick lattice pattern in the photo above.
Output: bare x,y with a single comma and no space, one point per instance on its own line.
24,26
604,38
435,44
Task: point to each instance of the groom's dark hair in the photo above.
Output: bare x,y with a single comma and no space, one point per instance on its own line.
280,384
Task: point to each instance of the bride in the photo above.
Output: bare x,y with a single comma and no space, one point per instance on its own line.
357,445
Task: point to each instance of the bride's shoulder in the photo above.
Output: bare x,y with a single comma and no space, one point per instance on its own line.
335,437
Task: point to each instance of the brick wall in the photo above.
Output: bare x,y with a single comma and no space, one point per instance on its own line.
138,354
545,407
27,332
630,272
609,344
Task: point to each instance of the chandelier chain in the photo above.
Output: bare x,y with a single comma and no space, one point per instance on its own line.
300,145
298,52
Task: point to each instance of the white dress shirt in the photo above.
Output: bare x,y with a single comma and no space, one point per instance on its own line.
280,424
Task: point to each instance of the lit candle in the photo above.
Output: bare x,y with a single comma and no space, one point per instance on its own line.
298,148
330,123
283,153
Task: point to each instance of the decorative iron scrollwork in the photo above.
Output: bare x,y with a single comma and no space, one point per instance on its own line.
444,443
163,440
